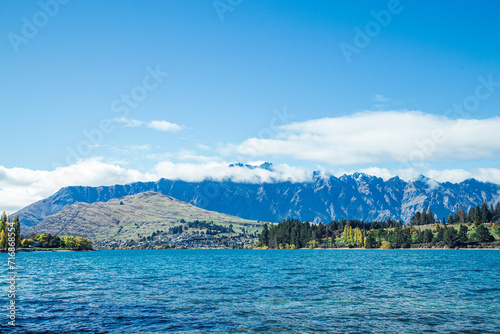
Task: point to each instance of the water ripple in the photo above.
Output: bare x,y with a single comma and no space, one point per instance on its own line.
246,291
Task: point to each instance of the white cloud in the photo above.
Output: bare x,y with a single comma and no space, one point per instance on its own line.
379,137
220,170
20,187
164,126
380,98
157,125
127,122
458,175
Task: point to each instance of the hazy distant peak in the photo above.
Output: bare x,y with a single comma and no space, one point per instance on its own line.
266,165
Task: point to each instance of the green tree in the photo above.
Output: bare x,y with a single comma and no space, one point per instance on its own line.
450,237
419,237
83,243
415,220
4,225
462,234
461,216
264,236
423,217
428,236
68,242
485,213
42,239
429,216
439,236
27,242
370,241
55,242
483,234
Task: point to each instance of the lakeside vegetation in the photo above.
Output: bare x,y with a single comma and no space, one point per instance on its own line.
480,228
37,241
48,241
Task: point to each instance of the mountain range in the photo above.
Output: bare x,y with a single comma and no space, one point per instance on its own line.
324,198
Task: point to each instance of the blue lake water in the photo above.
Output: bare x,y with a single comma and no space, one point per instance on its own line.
230,291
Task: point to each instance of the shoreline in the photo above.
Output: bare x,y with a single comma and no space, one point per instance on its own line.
27,250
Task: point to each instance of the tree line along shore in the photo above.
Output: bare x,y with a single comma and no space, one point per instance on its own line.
479,228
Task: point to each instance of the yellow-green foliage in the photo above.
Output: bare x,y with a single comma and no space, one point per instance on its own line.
353,237
358,237
312,244
386,245
14,234
27,242
348,236
79,243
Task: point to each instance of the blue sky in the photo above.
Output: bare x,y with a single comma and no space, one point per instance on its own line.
247,81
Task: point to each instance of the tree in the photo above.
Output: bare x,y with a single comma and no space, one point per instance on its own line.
370,241
496,214
461,215
386,245
358,237
429,216
428,236
27,242
68,242
423,217
483,234
348,236
83,243
415,220
485,213
312,244
419,237
42,239
264,237
54,242
462,234
4,225
3,239
439,236
450,237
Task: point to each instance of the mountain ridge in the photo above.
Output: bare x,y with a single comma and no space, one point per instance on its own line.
325,198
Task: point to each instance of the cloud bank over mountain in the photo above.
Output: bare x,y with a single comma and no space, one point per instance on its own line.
380,137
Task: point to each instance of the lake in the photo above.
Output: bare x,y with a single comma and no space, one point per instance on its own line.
271,291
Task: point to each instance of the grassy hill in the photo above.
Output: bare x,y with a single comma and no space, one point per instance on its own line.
133,217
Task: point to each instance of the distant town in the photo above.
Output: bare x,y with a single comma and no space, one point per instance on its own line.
181,241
